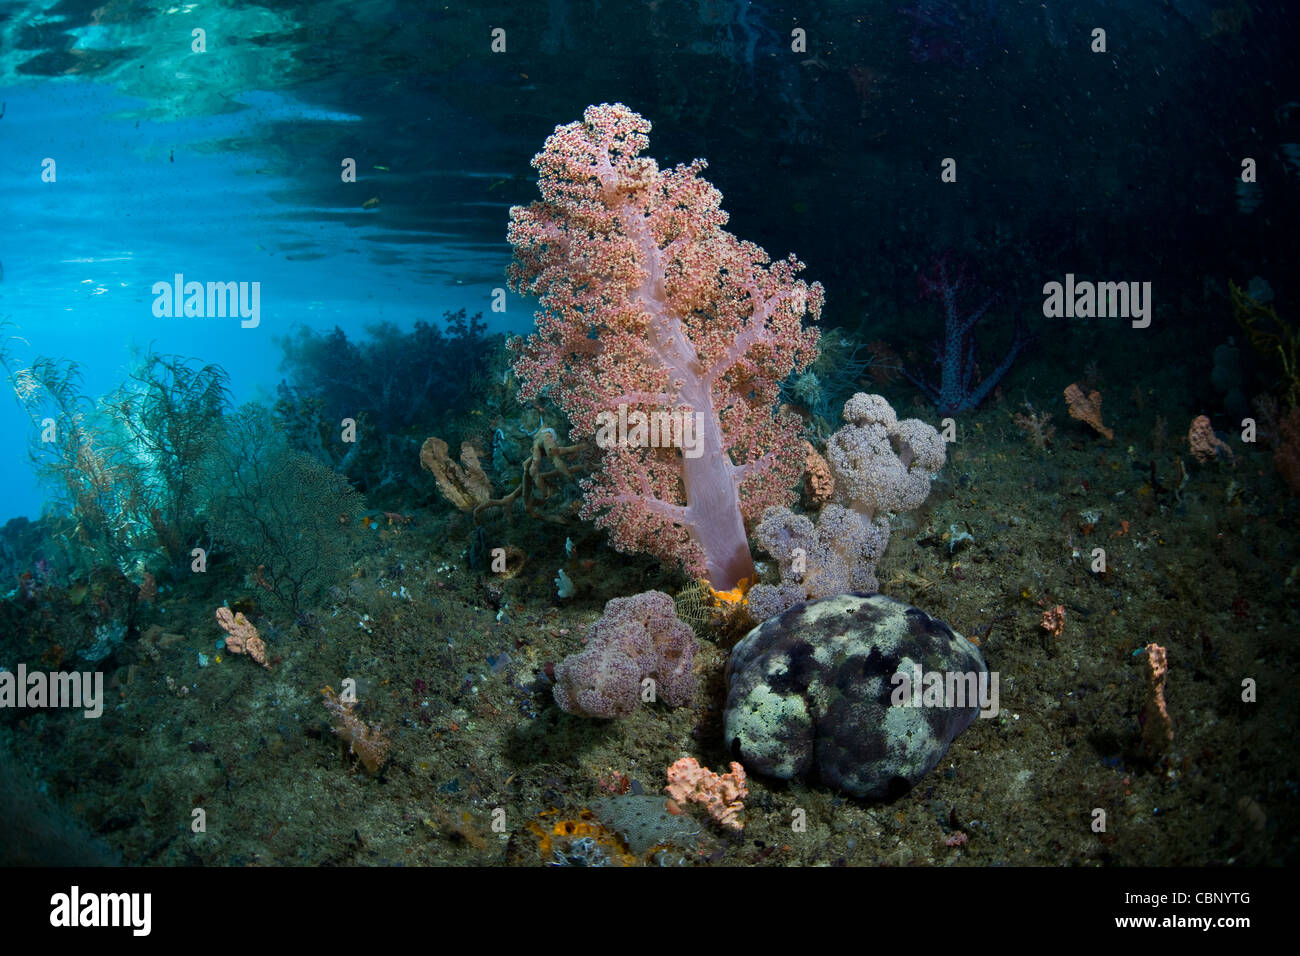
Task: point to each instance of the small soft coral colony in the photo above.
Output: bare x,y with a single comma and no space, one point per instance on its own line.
638,638
879,465
1086,408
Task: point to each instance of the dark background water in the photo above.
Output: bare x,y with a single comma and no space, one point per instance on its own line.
1122,165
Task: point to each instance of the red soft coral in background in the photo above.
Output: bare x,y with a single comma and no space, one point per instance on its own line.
647,302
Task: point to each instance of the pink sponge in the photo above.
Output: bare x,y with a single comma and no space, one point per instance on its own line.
722,794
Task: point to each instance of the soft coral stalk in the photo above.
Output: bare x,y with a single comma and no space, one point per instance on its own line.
647,302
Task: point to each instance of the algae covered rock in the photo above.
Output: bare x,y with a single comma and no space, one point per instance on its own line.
862,689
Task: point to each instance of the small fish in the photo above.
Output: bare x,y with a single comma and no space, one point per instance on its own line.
370,203
382,169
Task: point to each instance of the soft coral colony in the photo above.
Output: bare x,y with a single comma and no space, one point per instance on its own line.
649,304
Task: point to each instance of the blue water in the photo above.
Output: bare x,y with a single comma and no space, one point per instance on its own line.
139,197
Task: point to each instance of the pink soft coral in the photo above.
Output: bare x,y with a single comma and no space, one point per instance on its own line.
647,302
